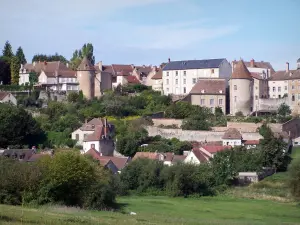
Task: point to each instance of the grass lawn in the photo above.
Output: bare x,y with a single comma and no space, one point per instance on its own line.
296,152
162,210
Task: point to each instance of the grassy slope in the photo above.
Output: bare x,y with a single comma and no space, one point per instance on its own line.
162,210
239,206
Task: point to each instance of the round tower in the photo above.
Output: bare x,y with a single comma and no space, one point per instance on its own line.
86,78
241,84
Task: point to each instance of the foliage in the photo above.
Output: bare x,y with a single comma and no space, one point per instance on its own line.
86,50
196,122
14,69
7,50
18,127
218,112
73,97
15,87
294,178
4,70
21,56
33,78
284,110
135,88
49,58
239,113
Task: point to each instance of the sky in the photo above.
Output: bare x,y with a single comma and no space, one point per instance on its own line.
151,31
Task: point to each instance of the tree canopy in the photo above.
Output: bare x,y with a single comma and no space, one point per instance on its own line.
14,70
49,58
7,50
21,56
86,50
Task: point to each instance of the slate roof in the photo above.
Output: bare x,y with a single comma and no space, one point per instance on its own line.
85,65
284,75
3,95
209,86
232,133
193,64
23,154
240,71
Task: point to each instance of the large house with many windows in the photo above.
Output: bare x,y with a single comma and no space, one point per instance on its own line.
179,77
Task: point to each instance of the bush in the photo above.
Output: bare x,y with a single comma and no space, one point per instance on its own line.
294,178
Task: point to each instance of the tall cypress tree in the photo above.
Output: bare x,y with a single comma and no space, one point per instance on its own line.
14,70
21,56
7,50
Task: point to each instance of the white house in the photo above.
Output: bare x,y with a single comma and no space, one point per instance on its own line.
232,137
6,97
196,156
179,77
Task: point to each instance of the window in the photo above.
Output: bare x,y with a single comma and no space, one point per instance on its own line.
211,101
176,73
274,89
167,81
235,87
77,137
184,73
293,98
93,146
84,135
176,81
167,74
202,101
279,89
256,88
293,87
184,90
194,80
235,98
167,90
298,96
279,96
184,81
220,101
285,88
212,71
256,97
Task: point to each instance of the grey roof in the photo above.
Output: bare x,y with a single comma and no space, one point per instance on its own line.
298,61
193,64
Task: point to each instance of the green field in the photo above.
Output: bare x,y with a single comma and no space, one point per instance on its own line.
162,210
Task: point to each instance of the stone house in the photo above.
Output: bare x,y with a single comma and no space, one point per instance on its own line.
232,137
157,82
210,93
6,97
179,77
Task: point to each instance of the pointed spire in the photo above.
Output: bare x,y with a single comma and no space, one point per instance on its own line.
240,71
85,65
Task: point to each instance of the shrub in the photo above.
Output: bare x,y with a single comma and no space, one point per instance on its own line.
239,113
294,178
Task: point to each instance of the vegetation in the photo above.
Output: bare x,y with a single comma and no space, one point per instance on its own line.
14,69
294,178
49,58
86,50
161,210
21,56
67,178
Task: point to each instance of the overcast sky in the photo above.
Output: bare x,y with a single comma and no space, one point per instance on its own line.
151,31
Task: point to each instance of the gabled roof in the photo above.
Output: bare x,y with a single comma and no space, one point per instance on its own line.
241,72
199,155
215,148
144,70
132,80
178,158
284,75
232,133
193,64
158,75
148,155
97,135
209,86
122,70
46,66
261,64
3,95
61,73
85,65
93,123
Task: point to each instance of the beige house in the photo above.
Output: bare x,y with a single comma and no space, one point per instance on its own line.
6,97
210,93
157,82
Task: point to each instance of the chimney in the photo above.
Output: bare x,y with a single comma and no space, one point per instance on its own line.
85,121
34,63
287,67
100,65
67,65
169,60
252,63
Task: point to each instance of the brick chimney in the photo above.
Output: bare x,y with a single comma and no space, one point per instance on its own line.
169,60
252,63
287,67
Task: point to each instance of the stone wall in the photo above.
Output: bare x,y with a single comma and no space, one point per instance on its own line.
271,103
189,135
252,127
167,122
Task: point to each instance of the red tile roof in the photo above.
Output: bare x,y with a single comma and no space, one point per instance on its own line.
132,80
200,155
3,95
178,158
149,155
240,71
85,65
158,75
251,142
122,70
206,86
261,64
256,76
284,75
120,162
46,66
215,148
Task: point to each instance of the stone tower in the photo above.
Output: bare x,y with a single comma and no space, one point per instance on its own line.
86,78
241,88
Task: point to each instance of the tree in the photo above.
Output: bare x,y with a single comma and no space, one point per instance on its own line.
294,178
218,112
4,70
196,122
33,78
86,50
14,69
21,56
49,58
7,50
17,127
284,110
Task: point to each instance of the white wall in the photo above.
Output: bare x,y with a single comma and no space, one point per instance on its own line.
81,135
280,87
232,142
24,78
120,80
87,145
9,99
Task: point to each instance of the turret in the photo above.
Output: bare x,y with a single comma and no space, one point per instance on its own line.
241,83
86,78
